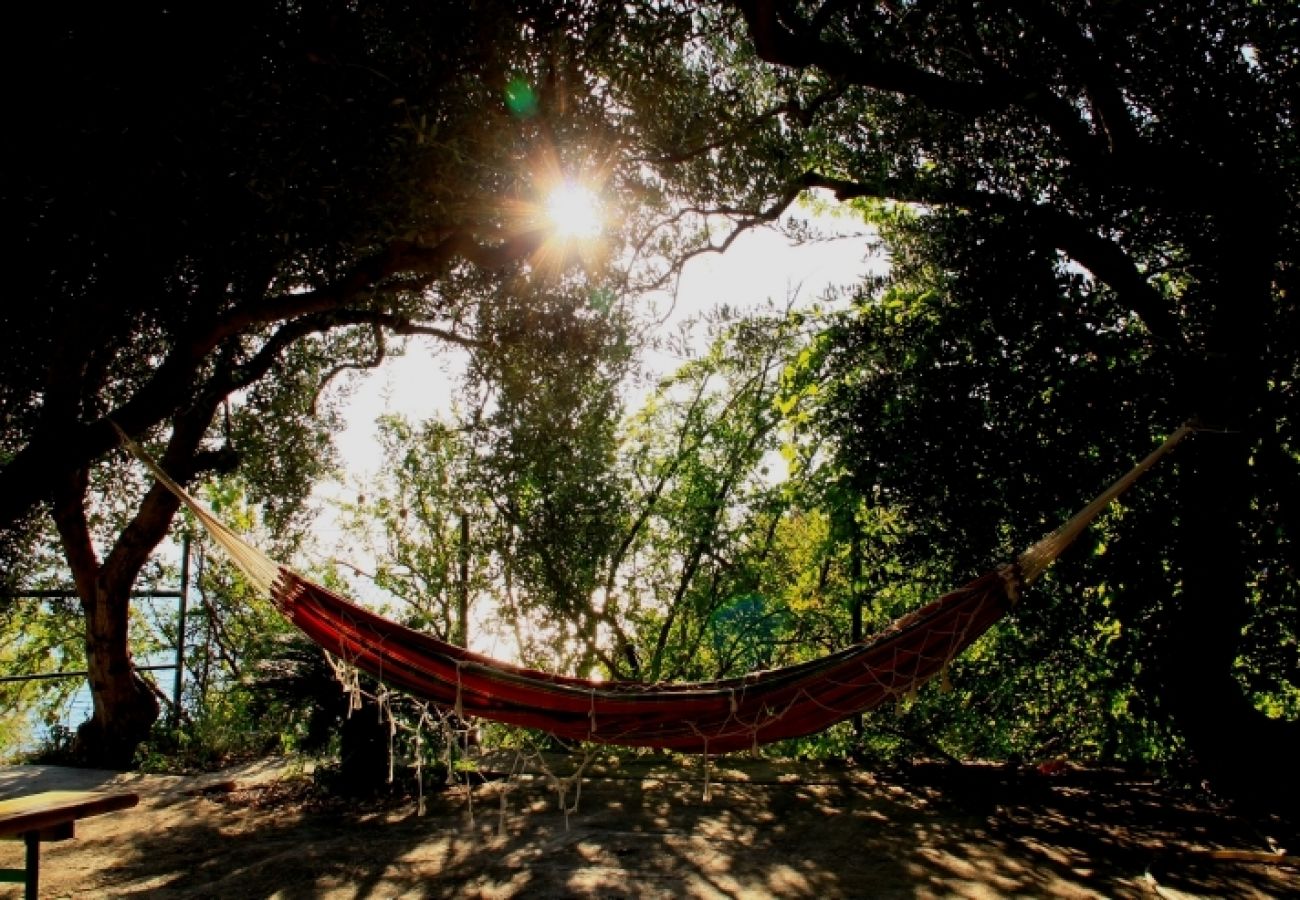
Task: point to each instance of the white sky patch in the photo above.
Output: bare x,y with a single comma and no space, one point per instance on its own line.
761,265
419,385
574,211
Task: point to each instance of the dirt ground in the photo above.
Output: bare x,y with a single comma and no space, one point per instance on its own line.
645,828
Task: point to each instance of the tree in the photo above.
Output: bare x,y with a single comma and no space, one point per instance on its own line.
656,547
219,212
721,564
987,443
427,525
544,431
1124,171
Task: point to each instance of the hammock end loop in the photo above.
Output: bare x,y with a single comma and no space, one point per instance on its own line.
1013,582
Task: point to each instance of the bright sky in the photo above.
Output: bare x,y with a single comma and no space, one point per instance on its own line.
761,265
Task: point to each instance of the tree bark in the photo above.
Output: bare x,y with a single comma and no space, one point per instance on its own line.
462,584
1240,749
124,706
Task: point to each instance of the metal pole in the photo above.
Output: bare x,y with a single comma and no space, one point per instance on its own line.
179,682
463,610
73,673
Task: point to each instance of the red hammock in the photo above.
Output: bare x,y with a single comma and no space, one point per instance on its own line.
708,717
713,716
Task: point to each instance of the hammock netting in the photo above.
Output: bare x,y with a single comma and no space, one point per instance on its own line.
706,717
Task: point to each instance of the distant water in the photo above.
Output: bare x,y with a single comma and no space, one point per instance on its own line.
154,617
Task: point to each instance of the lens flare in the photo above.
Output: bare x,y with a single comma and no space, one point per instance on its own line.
574,211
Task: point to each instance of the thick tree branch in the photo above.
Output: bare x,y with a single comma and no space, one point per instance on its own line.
27,478
1085,59
294,331
183,459
409,259
1105,147
1106,261
778,42
69,513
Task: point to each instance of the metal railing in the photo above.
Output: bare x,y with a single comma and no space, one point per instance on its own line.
181,595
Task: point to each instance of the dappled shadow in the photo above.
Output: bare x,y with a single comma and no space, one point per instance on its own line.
629,838
1108,831
647,831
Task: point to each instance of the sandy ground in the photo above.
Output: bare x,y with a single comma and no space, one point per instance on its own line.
644,828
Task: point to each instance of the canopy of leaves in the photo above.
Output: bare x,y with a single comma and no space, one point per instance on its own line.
1103,243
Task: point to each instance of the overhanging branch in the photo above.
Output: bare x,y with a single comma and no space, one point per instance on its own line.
742,220
1106,261
412,259
782,39
27,477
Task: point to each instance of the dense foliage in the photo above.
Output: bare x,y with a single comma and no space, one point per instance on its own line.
1091,213
221,211
1106,246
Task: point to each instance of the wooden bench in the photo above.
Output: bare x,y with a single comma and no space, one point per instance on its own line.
50,816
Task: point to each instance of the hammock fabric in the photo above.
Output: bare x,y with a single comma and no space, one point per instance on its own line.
706,717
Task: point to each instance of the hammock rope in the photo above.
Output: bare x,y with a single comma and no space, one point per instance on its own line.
701,717
1034,561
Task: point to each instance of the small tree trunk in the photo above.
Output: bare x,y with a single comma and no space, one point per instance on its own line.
1241,750
124,706
855,582
462,586
364,749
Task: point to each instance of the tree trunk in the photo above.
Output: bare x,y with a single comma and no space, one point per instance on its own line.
364,749
1242,751
124,706
125,709
855,580
462,585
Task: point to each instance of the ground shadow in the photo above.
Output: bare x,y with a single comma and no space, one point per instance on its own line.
646,830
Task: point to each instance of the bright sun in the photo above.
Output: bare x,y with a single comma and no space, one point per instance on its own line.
574,211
